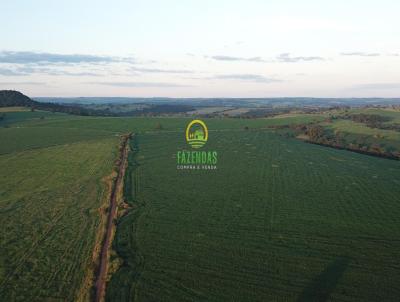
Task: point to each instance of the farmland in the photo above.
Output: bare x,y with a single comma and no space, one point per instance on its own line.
143,124
52,186
279,220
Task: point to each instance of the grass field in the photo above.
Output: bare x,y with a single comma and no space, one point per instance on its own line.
279,220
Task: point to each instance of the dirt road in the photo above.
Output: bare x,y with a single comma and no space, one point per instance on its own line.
102,270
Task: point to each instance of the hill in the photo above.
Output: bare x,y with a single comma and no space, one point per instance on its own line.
12,98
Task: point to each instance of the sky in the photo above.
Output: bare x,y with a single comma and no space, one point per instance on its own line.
193,48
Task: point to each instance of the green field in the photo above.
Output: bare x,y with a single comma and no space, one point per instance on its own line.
280,220
392,114
141,124
51,190
25,116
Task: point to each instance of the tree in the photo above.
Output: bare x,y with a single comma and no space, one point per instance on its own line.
315,132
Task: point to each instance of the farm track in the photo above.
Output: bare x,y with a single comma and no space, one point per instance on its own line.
101,274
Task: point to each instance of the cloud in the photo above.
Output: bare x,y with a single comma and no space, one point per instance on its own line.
246,77
74,74
27,63
21,83
157,70
360,54
378,86
287,58
229,58
283,57
140,84
27,70
25,57
11,72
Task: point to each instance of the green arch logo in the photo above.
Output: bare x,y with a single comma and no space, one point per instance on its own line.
196,134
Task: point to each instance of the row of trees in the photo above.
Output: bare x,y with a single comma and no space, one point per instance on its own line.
373,121
316,134
356,143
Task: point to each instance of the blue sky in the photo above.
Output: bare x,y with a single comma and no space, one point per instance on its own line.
201,48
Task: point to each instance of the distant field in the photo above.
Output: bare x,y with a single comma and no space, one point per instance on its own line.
280,220
393,114
208,110
143,124
361,129
353,132
236,111
20,139
14,109
25,116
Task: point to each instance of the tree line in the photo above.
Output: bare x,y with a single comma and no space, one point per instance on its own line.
316,134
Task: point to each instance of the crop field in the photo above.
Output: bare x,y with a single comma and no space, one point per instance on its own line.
142,124
20,139
51,189
49,211
279,220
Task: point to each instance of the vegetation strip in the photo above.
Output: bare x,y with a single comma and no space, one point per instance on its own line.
103,265
129,261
